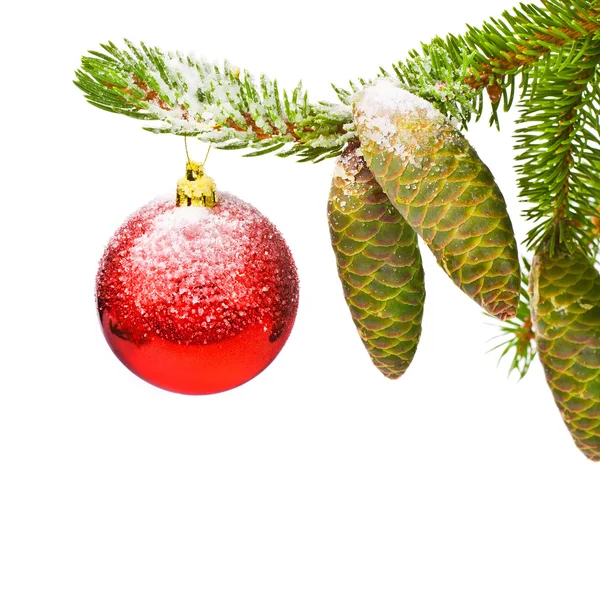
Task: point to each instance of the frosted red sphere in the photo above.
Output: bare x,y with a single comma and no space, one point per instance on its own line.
197,300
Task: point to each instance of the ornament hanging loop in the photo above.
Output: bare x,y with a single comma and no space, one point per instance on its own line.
196,188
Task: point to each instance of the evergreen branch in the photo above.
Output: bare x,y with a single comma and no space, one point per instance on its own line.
232,110
217,104
437,74
558,144
453,72
517,333
509,45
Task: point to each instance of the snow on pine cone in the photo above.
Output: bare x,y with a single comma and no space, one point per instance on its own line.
565,310
436,180
379,264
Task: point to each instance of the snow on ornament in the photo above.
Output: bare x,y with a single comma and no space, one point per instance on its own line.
197,293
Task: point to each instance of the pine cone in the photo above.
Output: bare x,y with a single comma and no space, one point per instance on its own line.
565,309
379,264
439,184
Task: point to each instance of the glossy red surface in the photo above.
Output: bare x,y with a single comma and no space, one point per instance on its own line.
197,369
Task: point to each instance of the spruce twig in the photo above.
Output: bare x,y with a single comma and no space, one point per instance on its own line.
222,105
229,108
516,335
558,142
508,45
453,72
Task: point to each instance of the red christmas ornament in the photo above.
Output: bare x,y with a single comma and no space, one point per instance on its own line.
197,299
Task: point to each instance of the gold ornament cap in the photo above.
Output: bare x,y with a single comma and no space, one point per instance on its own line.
196,188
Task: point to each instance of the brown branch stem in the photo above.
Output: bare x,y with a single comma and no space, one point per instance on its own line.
497,67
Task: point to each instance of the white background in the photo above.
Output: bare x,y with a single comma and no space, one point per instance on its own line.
319,479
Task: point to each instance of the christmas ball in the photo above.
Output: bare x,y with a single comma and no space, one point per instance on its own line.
197,299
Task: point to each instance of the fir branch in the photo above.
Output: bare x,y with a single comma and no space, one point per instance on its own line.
229,108
509,45
558,143
217,104
437,74
453,72
517,334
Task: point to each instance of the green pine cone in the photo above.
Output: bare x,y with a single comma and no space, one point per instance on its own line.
565,311
441,187
379,264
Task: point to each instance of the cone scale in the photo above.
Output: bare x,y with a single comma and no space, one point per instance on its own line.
379,264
